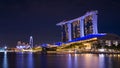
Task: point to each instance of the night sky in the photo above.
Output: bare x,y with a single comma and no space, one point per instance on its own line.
20,19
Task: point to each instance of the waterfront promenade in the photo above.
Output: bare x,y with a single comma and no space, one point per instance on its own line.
65,52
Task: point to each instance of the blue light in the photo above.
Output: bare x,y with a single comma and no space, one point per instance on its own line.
69,61
44,45
21,47
30,60
5,63
87,37
58,43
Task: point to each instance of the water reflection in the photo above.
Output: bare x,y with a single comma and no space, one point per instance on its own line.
90,61
30,60
44,61
76,61
101,60
5,61
19,60
69,61
24,60
73,61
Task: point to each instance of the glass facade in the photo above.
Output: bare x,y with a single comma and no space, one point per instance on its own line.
75,29
64,33
88,25
79,27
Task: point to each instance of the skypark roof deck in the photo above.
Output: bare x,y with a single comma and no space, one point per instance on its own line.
82,17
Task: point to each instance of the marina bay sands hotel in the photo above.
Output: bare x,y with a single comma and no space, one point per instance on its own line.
79,27
84,29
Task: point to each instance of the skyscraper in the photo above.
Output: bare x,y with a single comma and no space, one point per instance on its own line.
31,42
79,27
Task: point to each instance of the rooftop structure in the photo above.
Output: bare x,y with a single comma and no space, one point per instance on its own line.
84,30
79,27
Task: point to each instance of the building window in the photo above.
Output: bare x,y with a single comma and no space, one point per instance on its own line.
75,29
115,43
88,25
108,42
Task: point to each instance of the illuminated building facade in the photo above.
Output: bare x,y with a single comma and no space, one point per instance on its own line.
79,27
64,32
31,41
23,45
84,30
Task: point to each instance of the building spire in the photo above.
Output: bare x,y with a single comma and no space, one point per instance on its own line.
31,42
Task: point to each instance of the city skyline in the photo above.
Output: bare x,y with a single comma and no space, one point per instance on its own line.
21,19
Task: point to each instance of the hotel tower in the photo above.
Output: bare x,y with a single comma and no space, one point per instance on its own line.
79,27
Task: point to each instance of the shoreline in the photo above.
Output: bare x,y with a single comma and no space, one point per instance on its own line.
62,52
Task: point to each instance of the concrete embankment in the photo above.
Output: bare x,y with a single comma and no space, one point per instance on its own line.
85,52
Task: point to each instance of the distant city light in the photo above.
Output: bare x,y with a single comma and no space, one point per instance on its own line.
5,47
101,50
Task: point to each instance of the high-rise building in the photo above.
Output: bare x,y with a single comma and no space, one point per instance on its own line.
79,27
83,31
31,42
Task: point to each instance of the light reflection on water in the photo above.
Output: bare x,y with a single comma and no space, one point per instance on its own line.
19,60
69,61
31,60
24,60
75,61
5,61
90,61
101,60
72,61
